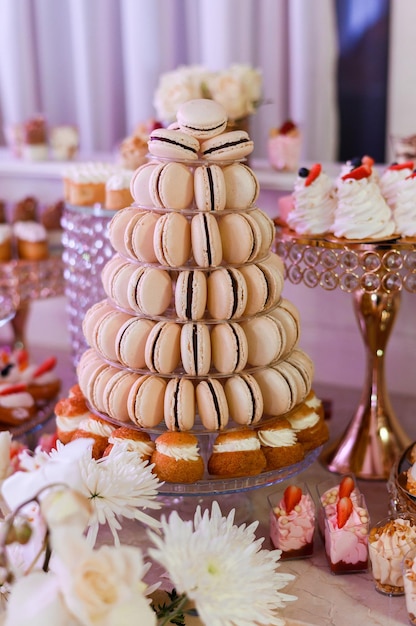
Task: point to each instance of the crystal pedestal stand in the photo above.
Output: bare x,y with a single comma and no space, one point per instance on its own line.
375,274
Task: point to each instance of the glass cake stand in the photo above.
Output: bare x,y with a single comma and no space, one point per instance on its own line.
375,274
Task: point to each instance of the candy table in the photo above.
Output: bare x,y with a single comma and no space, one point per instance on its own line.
375,274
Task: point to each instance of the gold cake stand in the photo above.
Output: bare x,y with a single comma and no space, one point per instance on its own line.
375,274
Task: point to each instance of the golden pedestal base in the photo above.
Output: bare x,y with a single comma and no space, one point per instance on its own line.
374,273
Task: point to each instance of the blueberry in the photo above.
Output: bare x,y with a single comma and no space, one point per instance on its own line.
356,161
303,172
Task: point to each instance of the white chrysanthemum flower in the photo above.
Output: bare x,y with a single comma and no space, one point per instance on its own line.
222,568
119,485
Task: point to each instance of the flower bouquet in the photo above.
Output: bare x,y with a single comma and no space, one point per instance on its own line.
52,570
238,89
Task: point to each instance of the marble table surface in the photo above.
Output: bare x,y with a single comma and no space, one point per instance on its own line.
324,599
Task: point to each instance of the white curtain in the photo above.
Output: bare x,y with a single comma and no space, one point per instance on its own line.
401,119
96,63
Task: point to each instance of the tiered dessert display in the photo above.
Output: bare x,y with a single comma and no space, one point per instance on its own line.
194,347
356,235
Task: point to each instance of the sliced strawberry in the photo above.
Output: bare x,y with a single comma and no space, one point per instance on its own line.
408,165
292,496
286,127
313,173
412,175
367,160
363,171
17,388
344,510
22,358
346,486
46,366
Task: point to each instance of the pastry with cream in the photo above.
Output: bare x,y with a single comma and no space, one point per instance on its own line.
236,453
177,458
314,202
389,541
391,178
405,209
31,241
280,445
361,212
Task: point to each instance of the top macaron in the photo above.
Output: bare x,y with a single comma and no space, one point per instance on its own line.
202,118
200,133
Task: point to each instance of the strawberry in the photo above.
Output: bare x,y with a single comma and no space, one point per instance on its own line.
313,173
402,166
292,496
286,127
367,160
46,366
346,486
363,171
344,510
13,389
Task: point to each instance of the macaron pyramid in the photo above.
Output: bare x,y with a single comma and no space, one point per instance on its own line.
194,335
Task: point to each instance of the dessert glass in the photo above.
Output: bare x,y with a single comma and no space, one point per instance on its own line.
346,548
409,581
293,533
327,492
284,151
390,540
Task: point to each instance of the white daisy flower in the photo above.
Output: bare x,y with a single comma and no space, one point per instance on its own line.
119,485
222,568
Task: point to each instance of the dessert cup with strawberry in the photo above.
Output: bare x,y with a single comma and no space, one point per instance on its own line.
284,147
292,522
346,535
329,492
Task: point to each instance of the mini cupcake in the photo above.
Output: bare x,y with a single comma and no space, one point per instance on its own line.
117,190
177,458
31,240
133,440
70,412
236,453
97,429
279,444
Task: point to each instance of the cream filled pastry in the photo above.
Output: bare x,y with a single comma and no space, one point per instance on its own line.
314,202
405,210
391,178
361,212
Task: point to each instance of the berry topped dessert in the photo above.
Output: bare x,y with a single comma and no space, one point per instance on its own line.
292,523
346,535
284,146
391,178
314,202
361,212
404,212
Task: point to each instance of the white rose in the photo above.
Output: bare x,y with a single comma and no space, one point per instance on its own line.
252,82
227,89
174,89
62,506
102,587
36,599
